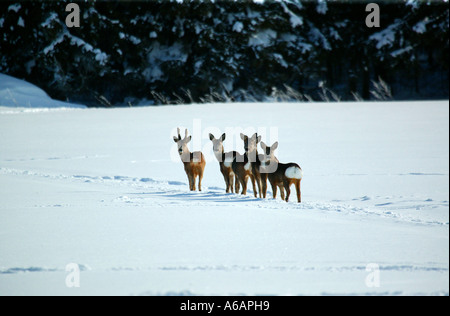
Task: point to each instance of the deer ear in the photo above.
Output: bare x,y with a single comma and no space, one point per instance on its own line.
274,146
188,139
211,136
175,139
243,136
258,139
223,136
263,146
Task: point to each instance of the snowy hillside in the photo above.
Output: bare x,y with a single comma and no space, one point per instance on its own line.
105,189
21,94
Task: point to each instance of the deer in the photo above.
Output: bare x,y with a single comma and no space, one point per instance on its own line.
225,162
194,163
280,175
247,166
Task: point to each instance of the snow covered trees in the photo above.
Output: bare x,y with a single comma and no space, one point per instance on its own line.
174,51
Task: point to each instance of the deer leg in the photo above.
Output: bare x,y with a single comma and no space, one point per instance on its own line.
259,182
299,193
236,184
200,178
230,183
283,197
288,190
191,183
252,178
264,184
244,185
274,190
227,182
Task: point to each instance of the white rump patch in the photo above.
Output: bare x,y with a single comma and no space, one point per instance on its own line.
294,173
248,166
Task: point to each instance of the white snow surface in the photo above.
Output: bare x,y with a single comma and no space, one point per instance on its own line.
105,189
21,94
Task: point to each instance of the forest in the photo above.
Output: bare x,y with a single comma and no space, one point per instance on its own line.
129,53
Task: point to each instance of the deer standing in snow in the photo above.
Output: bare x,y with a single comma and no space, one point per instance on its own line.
194,163
225,162
280,175
247,166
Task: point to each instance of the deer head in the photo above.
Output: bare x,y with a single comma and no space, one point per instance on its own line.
251,145
269,161
217,144
182,143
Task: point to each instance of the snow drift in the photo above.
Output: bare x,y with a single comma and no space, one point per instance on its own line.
21,94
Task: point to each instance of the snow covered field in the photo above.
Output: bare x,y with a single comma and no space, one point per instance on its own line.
104,189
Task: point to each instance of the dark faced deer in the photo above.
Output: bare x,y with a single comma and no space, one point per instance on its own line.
246,166
194,163
281,175
225,161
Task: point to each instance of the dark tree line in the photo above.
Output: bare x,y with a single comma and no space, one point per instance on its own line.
193,51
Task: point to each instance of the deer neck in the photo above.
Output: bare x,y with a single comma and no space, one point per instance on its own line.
220,155
267,161
252,155
186,156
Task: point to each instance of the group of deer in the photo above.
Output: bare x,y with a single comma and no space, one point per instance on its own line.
237,168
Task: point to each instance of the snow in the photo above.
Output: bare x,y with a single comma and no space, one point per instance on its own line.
48,22
21,94
21,22
421,27
322,7
296,42
104,189
160,54
414,3
198,66
30,65
14,7
281,60
100,56
386,37
133,39
294,19
401,51
318,38
263,38
238,27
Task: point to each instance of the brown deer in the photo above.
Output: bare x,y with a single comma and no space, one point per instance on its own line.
247,166
225,162
281,175
194,163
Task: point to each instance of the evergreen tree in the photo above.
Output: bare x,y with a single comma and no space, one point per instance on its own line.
203,51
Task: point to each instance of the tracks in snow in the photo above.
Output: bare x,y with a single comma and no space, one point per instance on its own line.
148,192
